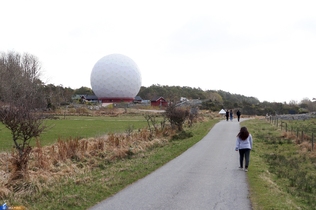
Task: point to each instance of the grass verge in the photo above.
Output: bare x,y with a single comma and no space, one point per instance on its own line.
281,175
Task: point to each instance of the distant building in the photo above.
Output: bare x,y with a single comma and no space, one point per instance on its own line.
86,98
183,99
138,100
92,98
159,101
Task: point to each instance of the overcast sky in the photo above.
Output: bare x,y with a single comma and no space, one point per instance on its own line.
265,49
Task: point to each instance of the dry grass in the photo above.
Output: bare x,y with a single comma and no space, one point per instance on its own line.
70,157
304,142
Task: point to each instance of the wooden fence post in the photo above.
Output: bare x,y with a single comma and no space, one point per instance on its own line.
285,126
312,141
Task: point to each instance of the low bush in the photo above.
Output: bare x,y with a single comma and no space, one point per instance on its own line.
182,135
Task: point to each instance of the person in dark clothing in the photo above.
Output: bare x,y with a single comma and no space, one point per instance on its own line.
231,115
227,114
238,115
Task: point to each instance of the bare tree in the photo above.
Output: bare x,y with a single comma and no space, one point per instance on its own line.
24,125
177,116
20,100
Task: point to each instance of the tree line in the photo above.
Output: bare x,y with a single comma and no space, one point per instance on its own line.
213,100
216,100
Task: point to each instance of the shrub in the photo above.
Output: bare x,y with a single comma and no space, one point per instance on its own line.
177,116
182,135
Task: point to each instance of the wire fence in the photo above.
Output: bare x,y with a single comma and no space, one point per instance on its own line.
301,133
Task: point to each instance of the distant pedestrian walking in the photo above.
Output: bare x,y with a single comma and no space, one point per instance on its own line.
231,115
238,115
227,114
244,146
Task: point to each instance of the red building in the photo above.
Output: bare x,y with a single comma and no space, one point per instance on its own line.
160,101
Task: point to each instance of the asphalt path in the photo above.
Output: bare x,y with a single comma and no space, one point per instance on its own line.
206,176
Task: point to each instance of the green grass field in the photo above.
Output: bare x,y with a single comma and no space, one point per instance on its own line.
78,127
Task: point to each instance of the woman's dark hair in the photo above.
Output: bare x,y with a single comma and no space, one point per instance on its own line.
243,133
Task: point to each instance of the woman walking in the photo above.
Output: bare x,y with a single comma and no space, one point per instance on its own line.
244,146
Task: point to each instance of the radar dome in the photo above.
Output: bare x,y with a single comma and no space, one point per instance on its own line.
115,78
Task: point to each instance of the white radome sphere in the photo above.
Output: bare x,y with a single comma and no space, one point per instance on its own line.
115,76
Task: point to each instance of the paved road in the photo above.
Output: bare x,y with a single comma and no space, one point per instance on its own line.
205,177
